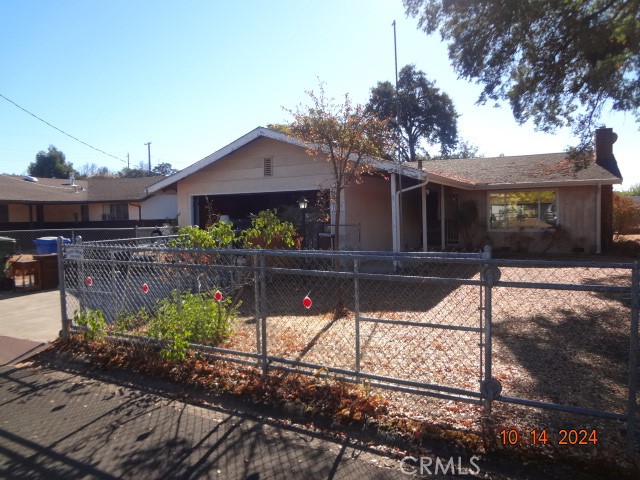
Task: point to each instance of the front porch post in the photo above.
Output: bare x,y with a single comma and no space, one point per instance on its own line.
423,198
394,213
598,218
443,237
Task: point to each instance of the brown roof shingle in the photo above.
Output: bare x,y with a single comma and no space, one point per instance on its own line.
540,169
14,189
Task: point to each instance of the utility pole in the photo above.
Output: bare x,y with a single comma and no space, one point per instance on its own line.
398,137
128,168
149,152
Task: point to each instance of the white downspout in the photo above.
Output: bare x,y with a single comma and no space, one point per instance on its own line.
599,219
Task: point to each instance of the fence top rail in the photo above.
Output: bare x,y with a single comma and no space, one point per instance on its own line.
99,244
126,243
560,264
159,243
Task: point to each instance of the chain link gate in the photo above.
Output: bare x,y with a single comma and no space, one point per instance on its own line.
429,343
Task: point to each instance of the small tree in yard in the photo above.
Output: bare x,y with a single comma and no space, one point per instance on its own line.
342,134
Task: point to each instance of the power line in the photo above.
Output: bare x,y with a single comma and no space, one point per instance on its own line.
60,130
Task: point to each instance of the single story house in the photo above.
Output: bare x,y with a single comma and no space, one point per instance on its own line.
28,202
528,203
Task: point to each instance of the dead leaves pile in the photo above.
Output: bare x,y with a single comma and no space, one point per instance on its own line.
322,396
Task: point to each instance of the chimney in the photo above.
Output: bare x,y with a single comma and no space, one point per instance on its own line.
604,140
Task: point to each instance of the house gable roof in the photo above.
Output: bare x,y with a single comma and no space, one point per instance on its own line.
541,170
262,132
14,189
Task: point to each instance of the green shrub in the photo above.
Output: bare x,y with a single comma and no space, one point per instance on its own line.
187,318
217,235
268,231
93,321
127,322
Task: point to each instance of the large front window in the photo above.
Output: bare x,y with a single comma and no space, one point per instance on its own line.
523,209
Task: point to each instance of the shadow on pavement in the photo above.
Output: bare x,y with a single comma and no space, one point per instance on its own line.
65,425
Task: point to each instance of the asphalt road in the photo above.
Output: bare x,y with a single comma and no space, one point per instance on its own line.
55,424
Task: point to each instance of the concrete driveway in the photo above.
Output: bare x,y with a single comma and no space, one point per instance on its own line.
27,321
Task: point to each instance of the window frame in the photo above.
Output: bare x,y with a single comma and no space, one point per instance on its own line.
123,207
539,191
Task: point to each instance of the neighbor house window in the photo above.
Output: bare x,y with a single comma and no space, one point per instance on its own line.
4,213
534,209
116,211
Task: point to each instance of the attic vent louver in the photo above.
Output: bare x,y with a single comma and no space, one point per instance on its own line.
268,167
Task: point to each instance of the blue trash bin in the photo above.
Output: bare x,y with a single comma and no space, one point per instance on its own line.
46,245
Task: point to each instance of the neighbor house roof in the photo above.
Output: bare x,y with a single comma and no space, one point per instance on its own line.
14,189
550,169
262,132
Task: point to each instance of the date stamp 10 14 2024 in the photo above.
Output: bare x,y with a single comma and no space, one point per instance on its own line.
544,436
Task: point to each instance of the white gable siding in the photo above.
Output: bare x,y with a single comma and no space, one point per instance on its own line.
243,172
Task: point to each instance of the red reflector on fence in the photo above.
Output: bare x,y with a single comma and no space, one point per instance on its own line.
307,302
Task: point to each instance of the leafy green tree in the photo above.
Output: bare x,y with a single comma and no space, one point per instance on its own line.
136,172
463,149
342,134
424,113
164,169
51,164
141,170
557,62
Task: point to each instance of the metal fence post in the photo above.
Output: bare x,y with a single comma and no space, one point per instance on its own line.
356,302
66,327
258,309
487,340
633,359
490,388
81,278
263,312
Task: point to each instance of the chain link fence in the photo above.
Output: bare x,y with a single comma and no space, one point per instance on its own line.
25,238
555,335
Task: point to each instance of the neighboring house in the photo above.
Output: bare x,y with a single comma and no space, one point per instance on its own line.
27,203
527,203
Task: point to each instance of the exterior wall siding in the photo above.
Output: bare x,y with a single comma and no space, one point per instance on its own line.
18,213
61,213
577,210
369,205
243,172
160,206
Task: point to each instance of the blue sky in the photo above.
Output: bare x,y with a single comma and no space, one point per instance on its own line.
192,76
